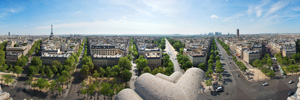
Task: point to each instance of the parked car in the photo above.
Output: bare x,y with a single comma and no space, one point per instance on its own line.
290,82
291,93
219,89
265,84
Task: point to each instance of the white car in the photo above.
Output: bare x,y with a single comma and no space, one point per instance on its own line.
265,84
290,82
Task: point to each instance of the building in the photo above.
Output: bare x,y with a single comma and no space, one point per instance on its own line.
154,57
238,33
16,48
107,50
250,56
8,33
288,52
196,56
47,59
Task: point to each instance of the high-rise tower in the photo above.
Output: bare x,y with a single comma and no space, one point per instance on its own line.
51,35
238,33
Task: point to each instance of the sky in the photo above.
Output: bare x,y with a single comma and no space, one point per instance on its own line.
104,17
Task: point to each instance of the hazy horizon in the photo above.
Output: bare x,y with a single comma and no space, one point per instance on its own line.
153,17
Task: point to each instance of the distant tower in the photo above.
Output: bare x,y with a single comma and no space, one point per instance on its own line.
238,33
51,35
8,33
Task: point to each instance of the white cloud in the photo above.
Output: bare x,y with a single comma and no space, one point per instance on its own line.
277,6
258,10
117,27
214,16
233,17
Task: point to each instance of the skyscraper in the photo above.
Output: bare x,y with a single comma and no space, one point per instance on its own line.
238,33
8,33
51,35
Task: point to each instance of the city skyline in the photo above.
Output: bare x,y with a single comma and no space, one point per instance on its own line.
121,17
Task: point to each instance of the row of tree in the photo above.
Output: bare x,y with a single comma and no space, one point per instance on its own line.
225,46
2,53
161,43
176,44
35,48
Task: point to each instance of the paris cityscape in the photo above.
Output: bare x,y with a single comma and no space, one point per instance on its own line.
149,50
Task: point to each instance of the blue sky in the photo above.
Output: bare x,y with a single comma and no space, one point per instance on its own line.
34,17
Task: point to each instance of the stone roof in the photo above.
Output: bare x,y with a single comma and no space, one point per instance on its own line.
128,94
162,87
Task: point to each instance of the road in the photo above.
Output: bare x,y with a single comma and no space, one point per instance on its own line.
172,52
133,76
238,88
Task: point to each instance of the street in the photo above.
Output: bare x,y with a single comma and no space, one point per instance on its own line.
239,88
172,53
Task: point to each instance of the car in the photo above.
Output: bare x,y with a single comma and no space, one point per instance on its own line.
237,75
219,89
290,82
230,62
265,84
291,93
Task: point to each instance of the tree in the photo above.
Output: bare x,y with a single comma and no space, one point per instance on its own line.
18,69
96,74
255,63
217,57
84,70
187,65
155,71
91,65
36,61
106,89
124,63
91,89
42,83
135,54
22,61
126,75
141,63
59,89
269,62
208,83
202,66
271,73
49,73
83,91
56,63
101,71
169,70
8,78
147,70
108,71
3,67
210,61
177,46
53,85
33,70
296,57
